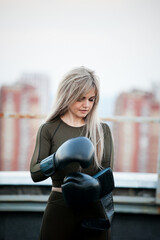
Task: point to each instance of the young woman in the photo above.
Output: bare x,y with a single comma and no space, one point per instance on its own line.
74,114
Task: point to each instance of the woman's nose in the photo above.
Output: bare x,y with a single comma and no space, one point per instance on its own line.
86,103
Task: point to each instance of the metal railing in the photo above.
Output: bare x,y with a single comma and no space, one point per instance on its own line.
142,187
110,119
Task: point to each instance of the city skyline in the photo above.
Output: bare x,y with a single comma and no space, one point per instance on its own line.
106,104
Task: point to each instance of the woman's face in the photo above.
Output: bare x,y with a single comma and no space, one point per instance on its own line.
83,106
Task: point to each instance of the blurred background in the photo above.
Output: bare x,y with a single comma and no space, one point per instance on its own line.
40,40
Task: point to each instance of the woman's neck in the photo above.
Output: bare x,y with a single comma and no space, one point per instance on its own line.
72,121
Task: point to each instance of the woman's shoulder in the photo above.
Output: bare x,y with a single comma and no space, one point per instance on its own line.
106,130
105,127
48,127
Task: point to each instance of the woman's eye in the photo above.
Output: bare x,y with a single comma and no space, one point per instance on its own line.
83,98
92,99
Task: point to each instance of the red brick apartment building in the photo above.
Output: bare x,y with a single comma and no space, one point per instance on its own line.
136,144
17,136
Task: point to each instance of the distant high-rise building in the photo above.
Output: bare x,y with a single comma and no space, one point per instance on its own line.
136,144
17,136
41,83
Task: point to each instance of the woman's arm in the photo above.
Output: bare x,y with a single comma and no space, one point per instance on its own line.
108,156
112,154
41,151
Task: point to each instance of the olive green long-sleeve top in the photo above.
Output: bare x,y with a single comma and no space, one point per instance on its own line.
51,136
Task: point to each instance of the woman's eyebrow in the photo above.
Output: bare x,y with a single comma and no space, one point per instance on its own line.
88,97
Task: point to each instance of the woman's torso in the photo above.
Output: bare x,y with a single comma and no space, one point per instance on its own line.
53,134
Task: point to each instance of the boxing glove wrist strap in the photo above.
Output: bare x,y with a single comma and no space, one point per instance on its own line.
47,165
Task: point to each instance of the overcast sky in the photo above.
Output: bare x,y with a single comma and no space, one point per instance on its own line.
119,39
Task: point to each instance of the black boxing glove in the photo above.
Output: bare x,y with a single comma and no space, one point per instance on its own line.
106,181
79,189
78,149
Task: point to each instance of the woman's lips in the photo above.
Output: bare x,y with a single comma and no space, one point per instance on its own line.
84,111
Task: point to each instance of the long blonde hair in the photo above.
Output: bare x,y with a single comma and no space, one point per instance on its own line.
76,83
